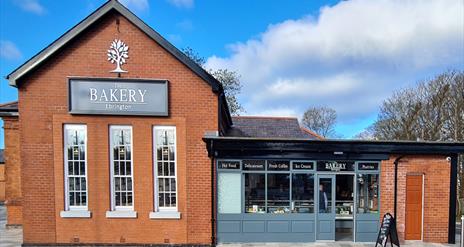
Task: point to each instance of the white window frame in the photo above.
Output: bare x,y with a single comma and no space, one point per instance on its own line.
120,211
164,212
74,211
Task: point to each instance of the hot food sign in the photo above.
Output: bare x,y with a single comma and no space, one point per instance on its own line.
118,97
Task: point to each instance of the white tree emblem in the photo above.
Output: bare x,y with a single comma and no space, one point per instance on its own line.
118,53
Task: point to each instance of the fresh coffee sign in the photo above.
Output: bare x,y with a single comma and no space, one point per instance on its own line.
118,97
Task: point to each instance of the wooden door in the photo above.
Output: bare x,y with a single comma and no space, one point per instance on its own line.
413,207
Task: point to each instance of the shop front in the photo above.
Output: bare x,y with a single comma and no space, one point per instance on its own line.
295,190
297,200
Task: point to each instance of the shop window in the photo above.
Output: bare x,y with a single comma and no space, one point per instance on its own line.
368,193
229,193
121,167
302,193
255,184
278,193
165,167
75,156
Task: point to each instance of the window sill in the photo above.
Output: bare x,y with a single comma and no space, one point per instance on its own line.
75,214
121,214
165,215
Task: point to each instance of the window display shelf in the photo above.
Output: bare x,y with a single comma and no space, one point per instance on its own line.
344,209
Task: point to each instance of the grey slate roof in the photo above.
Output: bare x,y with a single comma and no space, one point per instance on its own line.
9,109
268,127
2,157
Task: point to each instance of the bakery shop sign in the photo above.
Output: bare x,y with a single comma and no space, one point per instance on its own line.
118,97
335,166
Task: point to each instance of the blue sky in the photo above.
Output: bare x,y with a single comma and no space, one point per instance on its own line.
348,55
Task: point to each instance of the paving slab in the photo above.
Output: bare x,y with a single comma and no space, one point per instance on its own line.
11,237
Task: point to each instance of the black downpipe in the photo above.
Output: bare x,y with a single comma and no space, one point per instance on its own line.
213,218
397,160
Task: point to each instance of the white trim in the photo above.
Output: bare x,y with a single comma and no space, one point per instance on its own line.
157,208
113,207
121,214
165,215
67,127
75,214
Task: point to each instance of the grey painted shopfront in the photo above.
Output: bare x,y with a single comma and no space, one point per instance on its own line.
270,200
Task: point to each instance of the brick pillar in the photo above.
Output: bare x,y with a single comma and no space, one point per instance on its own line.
13,195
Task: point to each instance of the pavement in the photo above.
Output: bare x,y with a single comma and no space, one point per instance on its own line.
12,237
335,244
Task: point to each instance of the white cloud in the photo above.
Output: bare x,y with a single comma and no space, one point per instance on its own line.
136,5
278,112
182,3
9,51
32,6
350,57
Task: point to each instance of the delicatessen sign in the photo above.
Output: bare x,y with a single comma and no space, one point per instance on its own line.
118,97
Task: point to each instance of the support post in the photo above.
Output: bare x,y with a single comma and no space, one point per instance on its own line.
452,199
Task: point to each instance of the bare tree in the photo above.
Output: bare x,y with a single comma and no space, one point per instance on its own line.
432,110
230,81
321,120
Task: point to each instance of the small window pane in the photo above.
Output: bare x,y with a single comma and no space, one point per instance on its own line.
161,199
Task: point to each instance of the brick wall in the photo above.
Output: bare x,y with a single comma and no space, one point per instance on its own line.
13,196
43,110
436,170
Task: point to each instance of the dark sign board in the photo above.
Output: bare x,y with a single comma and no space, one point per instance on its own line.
368,166
302,165
387,232
234,165
278,165
335,166
253,165
118,97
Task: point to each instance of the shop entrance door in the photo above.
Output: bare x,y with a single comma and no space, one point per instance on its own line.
326,208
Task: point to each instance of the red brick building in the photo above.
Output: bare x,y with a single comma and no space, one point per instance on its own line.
107,146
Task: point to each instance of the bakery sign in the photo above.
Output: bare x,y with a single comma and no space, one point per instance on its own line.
335,166
118,97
